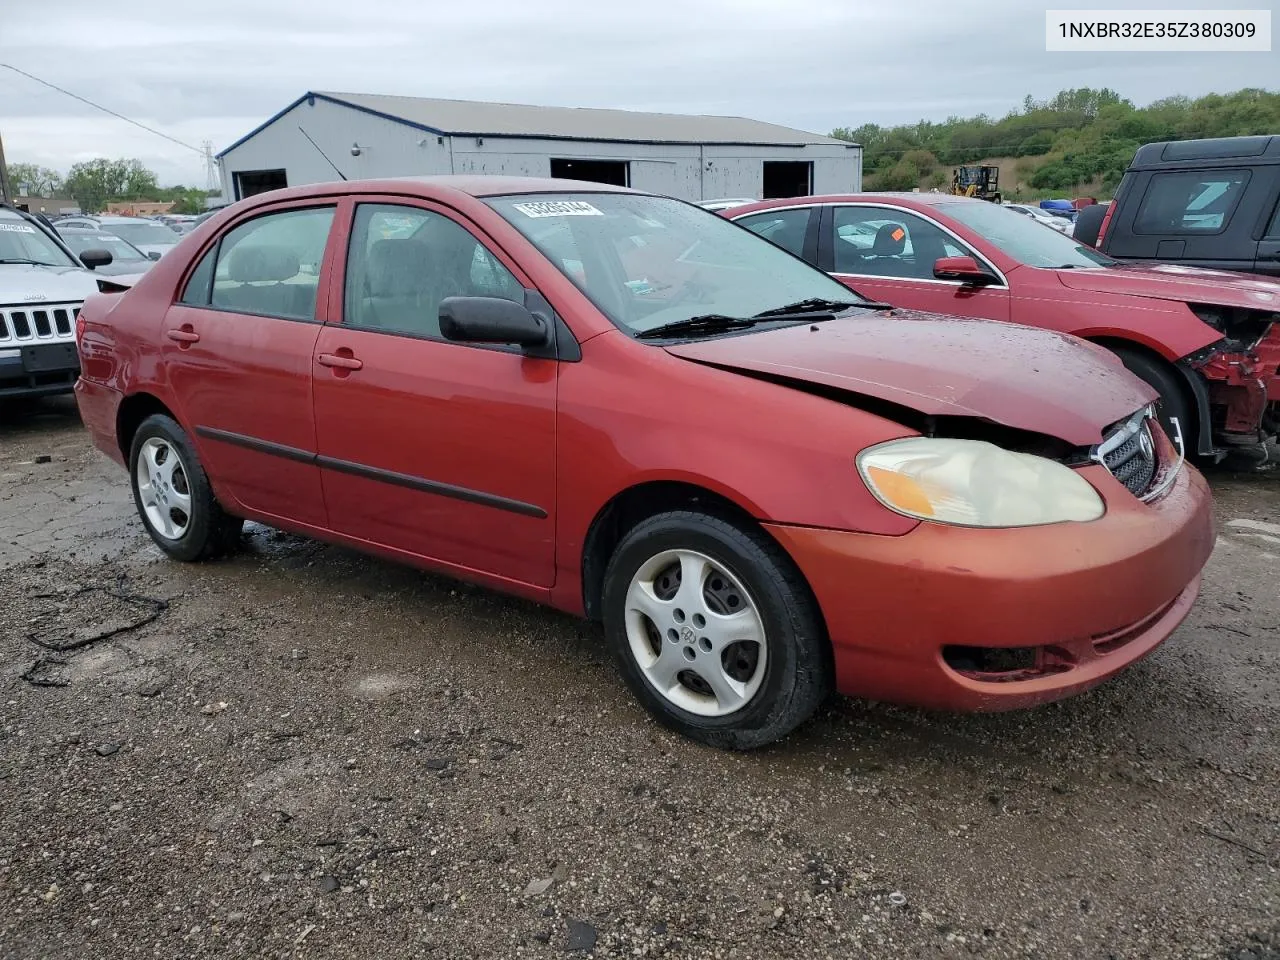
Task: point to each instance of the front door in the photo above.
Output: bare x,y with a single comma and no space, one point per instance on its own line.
443,450
237,352
887,254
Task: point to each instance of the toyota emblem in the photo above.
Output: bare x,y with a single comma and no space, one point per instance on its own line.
1146,444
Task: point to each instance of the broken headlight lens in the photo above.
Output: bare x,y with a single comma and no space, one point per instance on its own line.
972,483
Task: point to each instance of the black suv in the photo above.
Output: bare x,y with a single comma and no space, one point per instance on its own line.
1202,203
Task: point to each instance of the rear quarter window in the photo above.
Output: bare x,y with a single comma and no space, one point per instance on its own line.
1191,203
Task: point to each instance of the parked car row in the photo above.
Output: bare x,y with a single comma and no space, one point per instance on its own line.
766,485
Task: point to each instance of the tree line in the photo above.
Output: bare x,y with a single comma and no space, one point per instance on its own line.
95,183
1078,137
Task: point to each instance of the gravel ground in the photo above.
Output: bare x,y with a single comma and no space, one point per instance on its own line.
304,752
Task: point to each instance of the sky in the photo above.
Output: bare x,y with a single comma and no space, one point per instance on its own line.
214,71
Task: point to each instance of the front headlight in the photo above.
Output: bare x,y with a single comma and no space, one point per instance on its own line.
972,483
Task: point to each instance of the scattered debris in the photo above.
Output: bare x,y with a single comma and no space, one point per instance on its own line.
582,936
43,673
209,709
43,458
82,637
329,884
898,898
106,749
153,688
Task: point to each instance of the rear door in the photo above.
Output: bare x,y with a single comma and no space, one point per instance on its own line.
1269,247
442,450
886,253
237,353
1204,218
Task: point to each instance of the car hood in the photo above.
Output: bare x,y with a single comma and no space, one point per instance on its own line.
1022,377
1171,281
117,268
160,248
22,283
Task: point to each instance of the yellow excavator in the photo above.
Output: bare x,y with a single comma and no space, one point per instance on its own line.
980,182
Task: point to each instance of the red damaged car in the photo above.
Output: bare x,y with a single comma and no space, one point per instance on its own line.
629,408
1206,340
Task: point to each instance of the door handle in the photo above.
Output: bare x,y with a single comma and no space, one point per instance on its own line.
183,335
339,361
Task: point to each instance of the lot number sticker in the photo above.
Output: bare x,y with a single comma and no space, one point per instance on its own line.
17,228
559,208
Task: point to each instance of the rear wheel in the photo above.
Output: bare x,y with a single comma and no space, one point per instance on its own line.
173,495
715,630
1173,403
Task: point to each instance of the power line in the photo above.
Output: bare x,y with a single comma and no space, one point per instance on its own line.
98,106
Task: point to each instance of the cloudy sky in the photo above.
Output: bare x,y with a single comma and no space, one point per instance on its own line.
215,70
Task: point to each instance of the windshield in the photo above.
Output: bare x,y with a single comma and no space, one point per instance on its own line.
649,261
1022,238
118,248
20,240
143,234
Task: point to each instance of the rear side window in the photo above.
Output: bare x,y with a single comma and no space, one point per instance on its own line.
269,266
1273,231
1190,203
196,292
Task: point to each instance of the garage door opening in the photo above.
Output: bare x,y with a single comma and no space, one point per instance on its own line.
249,182
616,172
787,178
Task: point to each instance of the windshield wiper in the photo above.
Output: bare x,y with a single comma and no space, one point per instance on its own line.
704,323
821,306
24,260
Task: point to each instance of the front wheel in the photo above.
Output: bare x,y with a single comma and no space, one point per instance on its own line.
715,630
173,495
1166,381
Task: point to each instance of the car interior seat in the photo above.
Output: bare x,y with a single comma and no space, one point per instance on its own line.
260,272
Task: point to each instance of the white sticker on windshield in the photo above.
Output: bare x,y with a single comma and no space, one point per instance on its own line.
558,208
17,227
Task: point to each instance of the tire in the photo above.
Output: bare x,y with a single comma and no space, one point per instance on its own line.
1088,223
176,504
1173,400
765,687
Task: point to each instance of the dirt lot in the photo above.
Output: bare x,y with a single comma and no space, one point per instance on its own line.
304,752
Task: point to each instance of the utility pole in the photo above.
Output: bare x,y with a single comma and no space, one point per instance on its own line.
6,195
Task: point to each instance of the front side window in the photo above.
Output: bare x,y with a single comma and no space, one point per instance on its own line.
1190,203
882,242
786,228
648,261
23,242
1021,238
403,261
268,266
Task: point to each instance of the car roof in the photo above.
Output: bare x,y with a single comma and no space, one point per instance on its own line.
441,187
907,200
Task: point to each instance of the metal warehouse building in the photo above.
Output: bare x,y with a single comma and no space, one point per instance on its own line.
361,136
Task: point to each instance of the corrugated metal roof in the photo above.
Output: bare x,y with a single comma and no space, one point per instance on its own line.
477,118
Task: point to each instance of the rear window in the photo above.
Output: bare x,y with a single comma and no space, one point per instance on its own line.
1191,203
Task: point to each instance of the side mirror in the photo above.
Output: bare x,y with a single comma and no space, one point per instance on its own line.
153,255
491,320
96,257
964,269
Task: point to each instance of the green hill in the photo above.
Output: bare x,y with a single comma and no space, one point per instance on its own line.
1076,143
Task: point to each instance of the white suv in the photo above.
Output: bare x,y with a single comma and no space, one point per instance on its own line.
41,288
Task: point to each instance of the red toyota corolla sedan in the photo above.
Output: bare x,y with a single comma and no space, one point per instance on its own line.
627,407
1208,341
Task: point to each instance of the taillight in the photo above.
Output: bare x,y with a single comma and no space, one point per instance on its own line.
79,325
1102,227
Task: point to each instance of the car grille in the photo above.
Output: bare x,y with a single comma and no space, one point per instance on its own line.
33,324
1129,451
